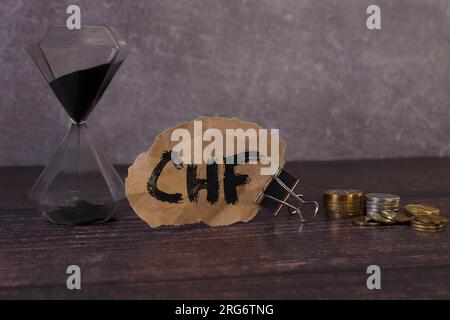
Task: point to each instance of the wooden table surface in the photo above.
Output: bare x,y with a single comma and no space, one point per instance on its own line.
267,258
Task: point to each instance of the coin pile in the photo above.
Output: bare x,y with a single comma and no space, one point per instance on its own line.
425,218
378,203
419,217
343,203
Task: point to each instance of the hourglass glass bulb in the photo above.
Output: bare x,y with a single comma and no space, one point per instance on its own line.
79,185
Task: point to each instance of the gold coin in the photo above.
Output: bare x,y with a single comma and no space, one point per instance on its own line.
342,194
341,210
396,216
344,211
430,219
345,205
414,209
424,225
427,228
425,213
344,215
342,203
379,218
344,200
432,216
365,222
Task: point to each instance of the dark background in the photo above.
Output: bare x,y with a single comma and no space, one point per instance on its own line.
334,88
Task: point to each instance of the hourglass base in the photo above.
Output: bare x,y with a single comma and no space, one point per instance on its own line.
79,185
81,212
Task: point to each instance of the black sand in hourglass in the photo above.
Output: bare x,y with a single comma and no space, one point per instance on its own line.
80,212
80,91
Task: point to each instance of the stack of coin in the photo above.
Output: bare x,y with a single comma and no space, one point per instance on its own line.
427,224
339,203
425,218
377,203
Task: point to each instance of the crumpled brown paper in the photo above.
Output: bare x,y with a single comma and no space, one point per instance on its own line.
156,212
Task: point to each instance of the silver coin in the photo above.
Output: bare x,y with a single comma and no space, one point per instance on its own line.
383,203
387,207
382,197
382,208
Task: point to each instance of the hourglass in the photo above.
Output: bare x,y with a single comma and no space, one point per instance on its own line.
79,185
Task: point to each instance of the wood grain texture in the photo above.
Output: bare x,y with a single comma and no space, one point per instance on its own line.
267,258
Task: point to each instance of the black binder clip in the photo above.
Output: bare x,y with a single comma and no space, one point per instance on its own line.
277,192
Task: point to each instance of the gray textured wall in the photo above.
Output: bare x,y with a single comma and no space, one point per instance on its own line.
311,68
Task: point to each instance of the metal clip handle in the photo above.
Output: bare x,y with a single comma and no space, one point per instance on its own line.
293,210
